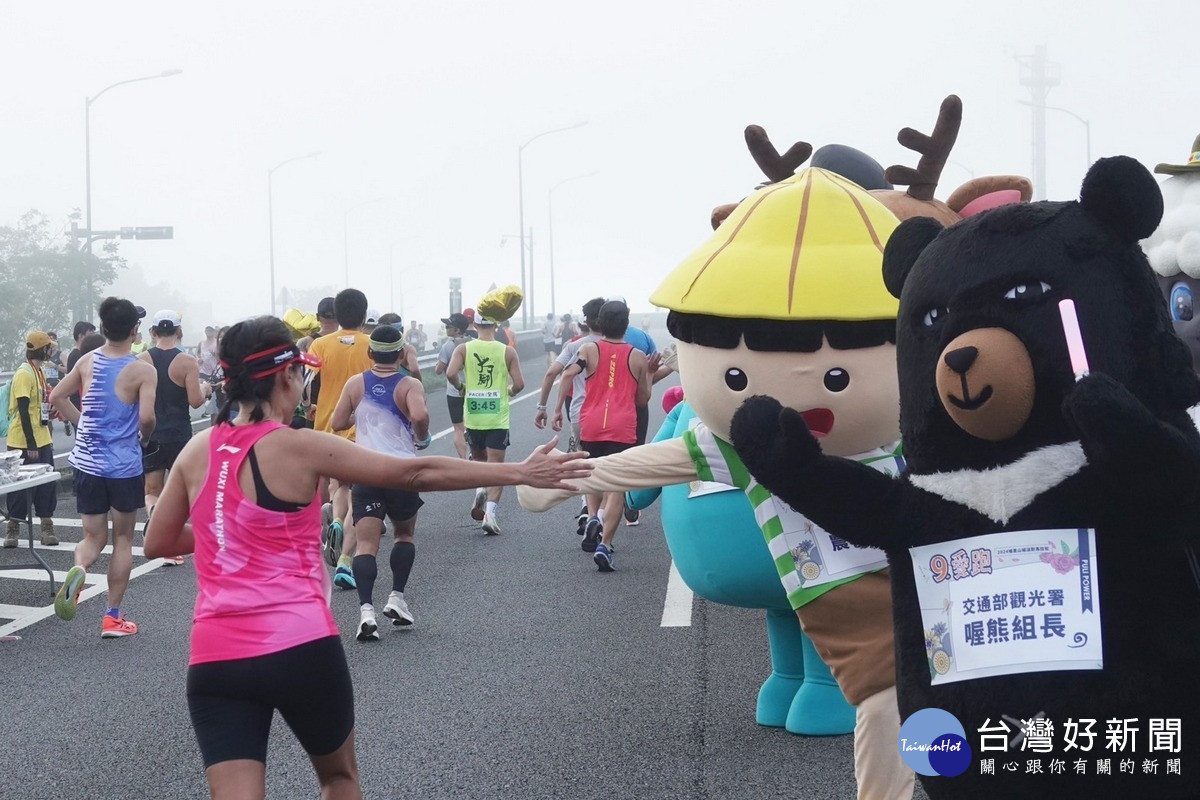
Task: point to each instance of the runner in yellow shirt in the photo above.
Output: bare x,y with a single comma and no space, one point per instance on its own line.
343,355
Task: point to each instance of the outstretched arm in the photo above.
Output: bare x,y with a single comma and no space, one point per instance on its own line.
644,498
844,497
644,467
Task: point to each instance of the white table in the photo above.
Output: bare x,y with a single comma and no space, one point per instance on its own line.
27,485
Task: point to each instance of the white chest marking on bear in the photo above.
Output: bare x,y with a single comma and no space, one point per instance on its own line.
1001,492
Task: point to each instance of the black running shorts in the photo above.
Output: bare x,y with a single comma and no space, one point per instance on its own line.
487,440
455,404
601,449
232,702
96,495
161,455
397,505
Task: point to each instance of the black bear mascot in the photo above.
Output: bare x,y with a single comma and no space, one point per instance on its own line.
1045,586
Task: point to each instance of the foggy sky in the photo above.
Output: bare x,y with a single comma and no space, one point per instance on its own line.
425,104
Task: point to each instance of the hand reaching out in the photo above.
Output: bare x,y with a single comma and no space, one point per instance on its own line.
547,468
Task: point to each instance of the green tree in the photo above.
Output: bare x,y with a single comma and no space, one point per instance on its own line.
45,283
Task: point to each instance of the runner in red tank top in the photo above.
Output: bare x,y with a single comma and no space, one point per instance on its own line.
617,381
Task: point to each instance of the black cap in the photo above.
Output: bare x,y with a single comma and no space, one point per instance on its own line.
457,320
591,309
325,308
613,309
141,312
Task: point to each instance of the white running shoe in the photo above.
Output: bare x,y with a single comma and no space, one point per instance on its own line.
490,526
397,610
368,628
480,502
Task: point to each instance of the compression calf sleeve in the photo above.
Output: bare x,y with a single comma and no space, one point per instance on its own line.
403,554
365,571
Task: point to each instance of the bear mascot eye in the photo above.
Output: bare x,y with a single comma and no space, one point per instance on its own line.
1181,302
934,316
1027,291
837,379
736,379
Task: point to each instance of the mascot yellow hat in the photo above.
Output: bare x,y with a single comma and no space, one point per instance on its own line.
807,247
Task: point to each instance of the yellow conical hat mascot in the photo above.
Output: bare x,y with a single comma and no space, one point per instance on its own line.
808,247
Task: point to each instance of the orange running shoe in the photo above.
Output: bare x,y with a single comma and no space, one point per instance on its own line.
115,628
172,561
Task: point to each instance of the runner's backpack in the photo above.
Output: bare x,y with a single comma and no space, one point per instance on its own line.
5,419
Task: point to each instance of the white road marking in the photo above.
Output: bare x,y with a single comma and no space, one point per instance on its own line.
24,616
677,607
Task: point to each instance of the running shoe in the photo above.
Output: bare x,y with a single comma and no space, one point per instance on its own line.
343,578
172,561
330,553
368,628
490,526
633,517
397,610
604,558
67,600
581,519
477,512
116,628
591,535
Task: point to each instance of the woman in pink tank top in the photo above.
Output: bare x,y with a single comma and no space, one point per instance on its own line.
263,638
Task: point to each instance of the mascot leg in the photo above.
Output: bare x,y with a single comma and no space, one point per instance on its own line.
787,668
819,708
878,769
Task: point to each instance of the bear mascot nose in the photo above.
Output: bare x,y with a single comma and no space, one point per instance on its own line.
961,359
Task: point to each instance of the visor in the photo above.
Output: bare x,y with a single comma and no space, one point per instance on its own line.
276,359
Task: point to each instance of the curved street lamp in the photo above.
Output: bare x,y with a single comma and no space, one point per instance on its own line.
87,142
271,214
550,216
1087,127
346,233
521,207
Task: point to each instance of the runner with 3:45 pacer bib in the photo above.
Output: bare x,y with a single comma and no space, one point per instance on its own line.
492,374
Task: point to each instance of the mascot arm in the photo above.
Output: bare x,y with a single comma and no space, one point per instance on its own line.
645,467
644,498
1152,462
852,500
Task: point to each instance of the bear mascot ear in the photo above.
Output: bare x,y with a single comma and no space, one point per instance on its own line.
904,246
1124,196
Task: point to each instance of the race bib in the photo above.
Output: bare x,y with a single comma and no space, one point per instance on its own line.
483,401
821,557
1008,603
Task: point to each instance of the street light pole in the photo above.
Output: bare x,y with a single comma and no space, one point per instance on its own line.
1087,127
521,205
271,215
550,219
87,144
346,234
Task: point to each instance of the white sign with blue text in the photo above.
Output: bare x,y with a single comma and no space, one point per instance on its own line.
1008,603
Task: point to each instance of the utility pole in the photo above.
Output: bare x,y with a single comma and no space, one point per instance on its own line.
1040,76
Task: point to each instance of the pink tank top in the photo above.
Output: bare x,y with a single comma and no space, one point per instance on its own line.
262,584
608,413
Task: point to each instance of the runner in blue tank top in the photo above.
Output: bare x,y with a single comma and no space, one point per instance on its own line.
117,416
387,409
